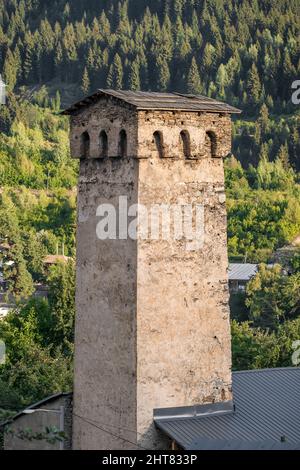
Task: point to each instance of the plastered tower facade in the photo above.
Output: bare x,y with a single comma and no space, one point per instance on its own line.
152,321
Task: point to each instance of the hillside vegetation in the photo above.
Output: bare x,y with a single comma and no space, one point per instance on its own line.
242,51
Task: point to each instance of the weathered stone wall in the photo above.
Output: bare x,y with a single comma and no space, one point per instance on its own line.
105,336
152,326
106,116
172,123
183,338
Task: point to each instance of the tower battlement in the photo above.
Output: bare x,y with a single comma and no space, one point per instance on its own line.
105,126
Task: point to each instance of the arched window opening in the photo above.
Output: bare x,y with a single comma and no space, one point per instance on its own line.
185,143
159,143
211,144
85,145
122,144
103,143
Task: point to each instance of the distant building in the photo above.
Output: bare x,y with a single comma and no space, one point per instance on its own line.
240,274
54,411
51,260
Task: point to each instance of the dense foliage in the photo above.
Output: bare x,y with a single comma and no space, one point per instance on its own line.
263,208
256,348
33,225
36,152
245,52
39,342
269,334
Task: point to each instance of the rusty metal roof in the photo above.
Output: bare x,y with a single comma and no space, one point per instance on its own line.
266,415
53,259
146,100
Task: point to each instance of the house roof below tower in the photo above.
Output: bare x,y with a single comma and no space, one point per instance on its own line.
265,415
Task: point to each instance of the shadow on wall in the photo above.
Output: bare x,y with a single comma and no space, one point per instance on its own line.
85,145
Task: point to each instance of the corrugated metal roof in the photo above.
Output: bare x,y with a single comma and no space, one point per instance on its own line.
267,412
242,272
238,444
145,100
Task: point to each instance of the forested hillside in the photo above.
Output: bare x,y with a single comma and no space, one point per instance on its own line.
242,51
245,51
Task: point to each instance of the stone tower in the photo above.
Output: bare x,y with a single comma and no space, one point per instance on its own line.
152,324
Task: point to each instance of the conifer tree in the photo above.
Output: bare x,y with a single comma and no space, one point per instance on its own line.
253,88
194,82
104,25
263,119
28,54
269,102
264,153
288,73
46,35
208,57
166,39
134,76
197,36
10,70
221,80
90,59
66,12
116,74
20,283
57,102
178,7
257,134
69,43
85,82
283,156
58,59
163,74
